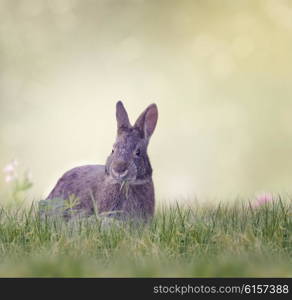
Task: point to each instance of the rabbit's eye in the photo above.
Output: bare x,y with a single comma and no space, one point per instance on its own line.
113,151
138,152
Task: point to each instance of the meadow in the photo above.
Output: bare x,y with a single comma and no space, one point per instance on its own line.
220,73
237,239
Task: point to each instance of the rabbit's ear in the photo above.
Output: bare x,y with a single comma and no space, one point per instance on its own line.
122,117
147,121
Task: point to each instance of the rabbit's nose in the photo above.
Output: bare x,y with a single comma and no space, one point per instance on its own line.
120,166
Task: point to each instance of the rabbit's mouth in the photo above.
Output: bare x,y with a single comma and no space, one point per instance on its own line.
118,175
122,177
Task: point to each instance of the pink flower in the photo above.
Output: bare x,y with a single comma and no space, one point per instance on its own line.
9,178
10,168
10,171
263,199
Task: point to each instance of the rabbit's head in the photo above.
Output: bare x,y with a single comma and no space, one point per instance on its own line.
128,160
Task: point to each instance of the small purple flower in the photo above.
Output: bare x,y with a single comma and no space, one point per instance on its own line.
263,199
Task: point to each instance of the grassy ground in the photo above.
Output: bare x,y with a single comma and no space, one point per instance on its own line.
224,240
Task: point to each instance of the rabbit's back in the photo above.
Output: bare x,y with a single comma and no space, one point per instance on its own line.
80,182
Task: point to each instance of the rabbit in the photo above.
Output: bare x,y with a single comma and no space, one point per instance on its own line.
123,187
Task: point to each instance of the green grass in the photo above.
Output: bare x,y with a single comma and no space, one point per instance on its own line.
232,240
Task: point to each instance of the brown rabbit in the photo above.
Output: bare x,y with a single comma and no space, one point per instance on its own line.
123,188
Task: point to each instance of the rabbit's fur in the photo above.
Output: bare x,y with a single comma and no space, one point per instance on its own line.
123,188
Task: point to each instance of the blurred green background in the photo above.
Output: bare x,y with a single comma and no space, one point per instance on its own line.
219,71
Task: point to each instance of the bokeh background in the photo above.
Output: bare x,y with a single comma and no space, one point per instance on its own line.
219,71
